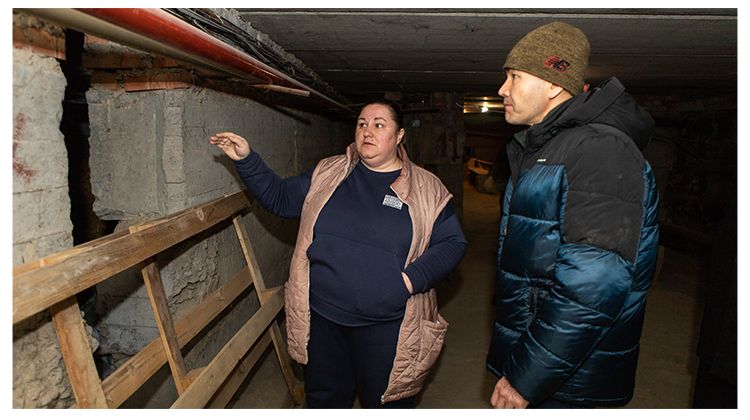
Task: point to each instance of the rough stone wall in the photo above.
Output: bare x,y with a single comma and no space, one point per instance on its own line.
40,166
150,157
41,219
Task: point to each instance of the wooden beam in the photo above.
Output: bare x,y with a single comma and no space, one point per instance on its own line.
53,281
124,381
63,255
77,354
214,375
163,317
39,286
229,388
279,342
190,377
250,259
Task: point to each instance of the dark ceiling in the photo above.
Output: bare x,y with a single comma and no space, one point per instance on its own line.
366,52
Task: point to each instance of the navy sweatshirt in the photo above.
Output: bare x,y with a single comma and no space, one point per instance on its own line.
360,244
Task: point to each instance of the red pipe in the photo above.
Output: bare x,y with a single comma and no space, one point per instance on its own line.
165,28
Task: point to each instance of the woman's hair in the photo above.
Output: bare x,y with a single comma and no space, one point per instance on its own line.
396,112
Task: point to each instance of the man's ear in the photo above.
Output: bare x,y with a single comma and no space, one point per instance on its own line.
554,91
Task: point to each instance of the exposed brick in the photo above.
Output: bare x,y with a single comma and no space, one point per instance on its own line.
39,41
104,54
105,80
181,80
111,61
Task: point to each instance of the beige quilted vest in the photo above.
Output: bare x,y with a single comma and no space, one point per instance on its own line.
423,329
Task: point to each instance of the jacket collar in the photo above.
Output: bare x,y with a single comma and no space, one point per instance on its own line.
579,110
539,134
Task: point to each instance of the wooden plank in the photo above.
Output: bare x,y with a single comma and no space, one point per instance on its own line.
229,388
190,377
279,343
63,255
71,271
77,354
247,251
214,375
159,306
124,381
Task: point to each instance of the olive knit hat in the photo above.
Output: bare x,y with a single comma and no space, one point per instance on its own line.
556,52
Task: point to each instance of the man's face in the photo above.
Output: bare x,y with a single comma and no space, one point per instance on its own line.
525,97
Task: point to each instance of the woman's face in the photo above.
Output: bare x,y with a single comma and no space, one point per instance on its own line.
377,136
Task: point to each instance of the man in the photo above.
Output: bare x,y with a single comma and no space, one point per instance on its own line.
578,235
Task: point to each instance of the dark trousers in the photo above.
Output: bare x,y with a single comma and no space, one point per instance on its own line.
344,360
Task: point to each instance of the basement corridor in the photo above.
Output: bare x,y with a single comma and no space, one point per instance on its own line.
667,364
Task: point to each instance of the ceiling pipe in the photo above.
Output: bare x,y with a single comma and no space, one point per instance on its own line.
282,89
157,31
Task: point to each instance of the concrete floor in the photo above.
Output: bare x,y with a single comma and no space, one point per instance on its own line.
667,363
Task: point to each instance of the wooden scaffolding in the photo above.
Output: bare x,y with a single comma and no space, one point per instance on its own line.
52,283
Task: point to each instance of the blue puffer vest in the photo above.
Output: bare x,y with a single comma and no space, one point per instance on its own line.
576,253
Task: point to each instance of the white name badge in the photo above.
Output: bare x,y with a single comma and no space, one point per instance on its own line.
392,201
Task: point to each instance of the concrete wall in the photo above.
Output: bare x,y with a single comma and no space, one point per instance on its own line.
41,218
150,157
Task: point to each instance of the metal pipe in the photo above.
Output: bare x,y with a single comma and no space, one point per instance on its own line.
157,31
282,89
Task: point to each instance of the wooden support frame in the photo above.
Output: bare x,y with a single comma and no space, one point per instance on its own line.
52,282
224,395
260,285
167,333
76,350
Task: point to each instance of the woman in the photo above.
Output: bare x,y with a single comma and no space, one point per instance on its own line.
376,234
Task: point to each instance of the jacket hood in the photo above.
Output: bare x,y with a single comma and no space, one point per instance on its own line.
607,104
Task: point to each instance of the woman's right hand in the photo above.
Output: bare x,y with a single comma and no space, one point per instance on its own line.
233,145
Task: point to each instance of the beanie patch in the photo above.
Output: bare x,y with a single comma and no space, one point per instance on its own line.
556,63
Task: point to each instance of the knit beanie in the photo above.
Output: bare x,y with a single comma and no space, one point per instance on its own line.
556,52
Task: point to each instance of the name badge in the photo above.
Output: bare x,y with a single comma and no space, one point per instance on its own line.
392,201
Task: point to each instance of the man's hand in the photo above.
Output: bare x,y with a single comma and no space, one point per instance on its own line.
233,145
505,396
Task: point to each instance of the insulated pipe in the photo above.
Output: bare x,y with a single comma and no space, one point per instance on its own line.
158,31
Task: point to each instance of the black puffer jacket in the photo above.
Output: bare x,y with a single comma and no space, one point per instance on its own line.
577,251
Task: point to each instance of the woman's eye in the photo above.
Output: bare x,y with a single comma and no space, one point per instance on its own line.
379,125
361,125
